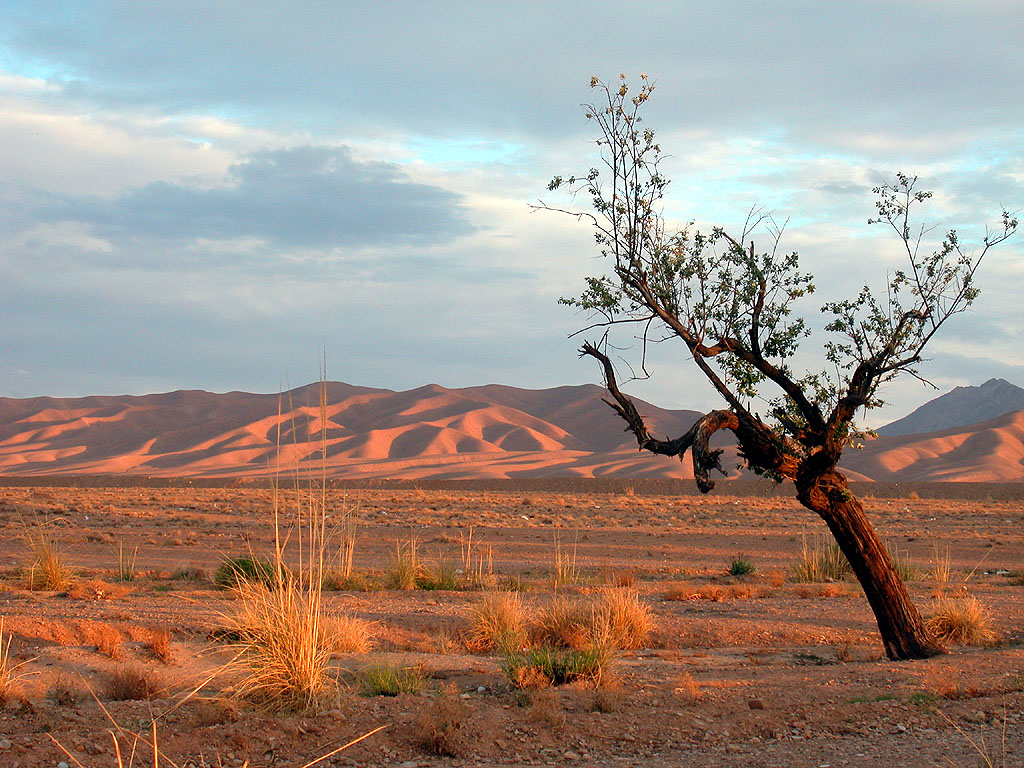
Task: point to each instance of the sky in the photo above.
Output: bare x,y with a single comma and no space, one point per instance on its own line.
201,195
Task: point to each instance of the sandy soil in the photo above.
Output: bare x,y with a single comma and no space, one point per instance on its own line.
739,672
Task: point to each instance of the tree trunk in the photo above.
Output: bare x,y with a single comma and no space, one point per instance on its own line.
899,622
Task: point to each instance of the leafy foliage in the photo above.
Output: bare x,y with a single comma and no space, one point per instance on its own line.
732,304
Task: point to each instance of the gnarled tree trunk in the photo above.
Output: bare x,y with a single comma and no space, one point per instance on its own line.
899,622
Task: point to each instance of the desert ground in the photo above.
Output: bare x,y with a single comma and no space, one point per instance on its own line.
738,670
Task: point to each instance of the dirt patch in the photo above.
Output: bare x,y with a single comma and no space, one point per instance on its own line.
754,669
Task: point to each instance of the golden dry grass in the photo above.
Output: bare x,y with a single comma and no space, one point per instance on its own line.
497,621
283,650
48,570
8,669
962,620
618,614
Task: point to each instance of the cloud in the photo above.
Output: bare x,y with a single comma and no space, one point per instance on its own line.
307,197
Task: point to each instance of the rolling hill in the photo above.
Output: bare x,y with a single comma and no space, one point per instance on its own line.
489,431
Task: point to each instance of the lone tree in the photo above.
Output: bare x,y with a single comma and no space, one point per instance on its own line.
731,304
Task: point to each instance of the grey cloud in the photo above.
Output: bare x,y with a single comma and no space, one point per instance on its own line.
809,68
310,197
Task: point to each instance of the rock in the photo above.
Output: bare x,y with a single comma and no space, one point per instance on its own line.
481,689
5,743
336,714
570,755
62,764
409,764
900,728
756,704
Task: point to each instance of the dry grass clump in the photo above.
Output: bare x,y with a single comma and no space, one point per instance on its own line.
347,634
498,621
65,691
48,570
158,643
688,689
715,593
282,647
616,615
130,683
106,637
95,589
9,676
962,620
405,567
440,727
822,560
629,618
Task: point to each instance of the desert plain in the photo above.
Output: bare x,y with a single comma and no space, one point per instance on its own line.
738,670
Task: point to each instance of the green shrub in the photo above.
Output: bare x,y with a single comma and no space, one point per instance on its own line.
741,567
248,569
390,680
545,665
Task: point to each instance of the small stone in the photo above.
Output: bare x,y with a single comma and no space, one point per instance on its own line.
5,743
756,704
900,728
409,764
336,714
62,764
570,755
481,689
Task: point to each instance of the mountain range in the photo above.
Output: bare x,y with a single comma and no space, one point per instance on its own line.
489,431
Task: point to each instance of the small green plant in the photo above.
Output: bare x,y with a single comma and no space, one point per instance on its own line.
741,567
246,569
390,680
335,581
545,665
820,561
405,566
125,563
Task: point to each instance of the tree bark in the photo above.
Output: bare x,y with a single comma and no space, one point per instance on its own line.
899,622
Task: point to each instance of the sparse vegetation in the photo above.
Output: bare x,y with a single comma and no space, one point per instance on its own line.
158,643
48,569
617,616
566,571
125,562
440,727
405,567
822,560
387,679
8,669
130,683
